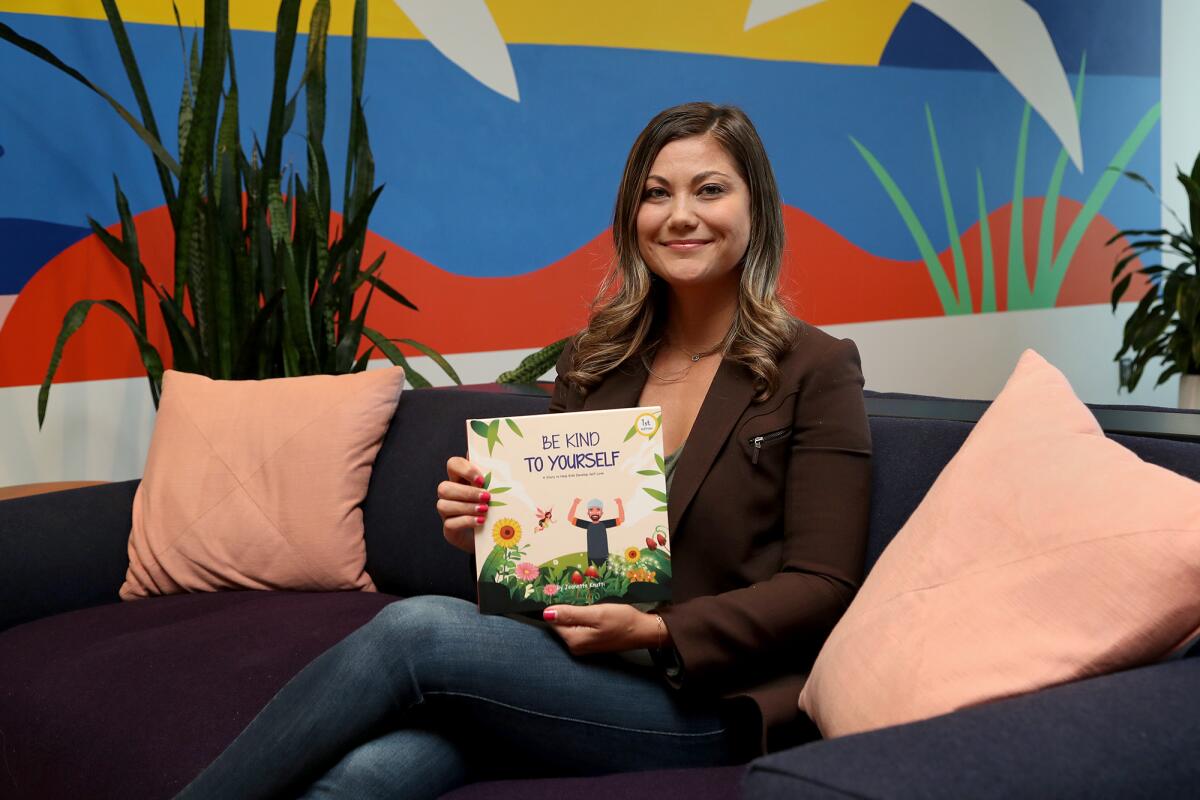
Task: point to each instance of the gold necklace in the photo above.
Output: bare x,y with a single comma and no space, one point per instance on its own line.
702,354
675,379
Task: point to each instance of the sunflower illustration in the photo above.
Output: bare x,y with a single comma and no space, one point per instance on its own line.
632,554
506,532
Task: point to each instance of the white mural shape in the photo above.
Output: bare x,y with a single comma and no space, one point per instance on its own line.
1010,34
465,32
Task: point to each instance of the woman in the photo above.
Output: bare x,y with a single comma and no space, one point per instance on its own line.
767,480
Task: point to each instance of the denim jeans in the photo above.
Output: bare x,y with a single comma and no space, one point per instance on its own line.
431,694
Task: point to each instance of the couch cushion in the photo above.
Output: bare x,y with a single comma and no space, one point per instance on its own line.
406,553
258,484
1133,734
1043,553
709,783
134,699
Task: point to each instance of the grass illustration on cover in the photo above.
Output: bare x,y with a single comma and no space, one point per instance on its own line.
578,511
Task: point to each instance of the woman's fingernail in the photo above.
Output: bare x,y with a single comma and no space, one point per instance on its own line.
485,497
549,615
479,520
479,481
481,509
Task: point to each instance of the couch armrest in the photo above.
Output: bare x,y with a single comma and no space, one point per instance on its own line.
1132,734
63,550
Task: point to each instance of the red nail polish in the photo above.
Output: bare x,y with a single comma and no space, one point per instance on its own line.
481,509
485,497
479,520
549,615
479,480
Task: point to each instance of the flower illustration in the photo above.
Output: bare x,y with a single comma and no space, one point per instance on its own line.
550,589
506,532
632,554
527,571
642,576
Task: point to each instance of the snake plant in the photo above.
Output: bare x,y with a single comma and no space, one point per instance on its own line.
262,288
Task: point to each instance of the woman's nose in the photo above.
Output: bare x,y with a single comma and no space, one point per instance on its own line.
683,216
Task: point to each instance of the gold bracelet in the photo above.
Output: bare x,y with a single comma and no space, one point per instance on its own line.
663,634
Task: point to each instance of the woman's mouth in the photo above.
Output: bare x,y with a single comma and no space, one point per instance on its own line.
685,244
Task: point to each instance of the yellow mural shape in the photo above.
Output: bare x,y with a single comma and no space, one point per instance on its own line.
834,32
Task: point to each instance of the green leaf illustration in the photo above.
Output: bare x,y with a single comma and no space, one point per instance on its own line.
487,480
493,435
656,494
501,489
632,431
661,508
662,465
648,472
496,504
479,427
514,427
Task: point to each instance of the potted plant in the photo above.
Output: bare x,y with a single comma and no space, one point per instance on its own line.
264,285
1166,322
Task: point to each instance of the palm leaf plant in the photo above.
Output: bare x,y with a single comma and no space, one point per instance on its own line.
263,285
1165,324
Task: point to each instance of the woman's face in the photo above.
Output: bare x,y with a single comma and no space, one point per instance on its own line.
693,224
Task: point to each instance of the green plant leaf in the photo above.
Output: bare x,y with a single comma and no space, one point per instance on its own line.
496,503
962,285
487,480
479,427
534,365
987,299
1048,292
500,489
937,275
660,508
1019,290
435,356
514,428
390,291
33,48
72,321
1119,291
648,472
1045,256
493,435
396,357
662,465
656,494
632,431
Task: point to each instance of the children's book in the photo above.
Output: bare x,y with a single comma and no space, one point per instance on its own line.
578,510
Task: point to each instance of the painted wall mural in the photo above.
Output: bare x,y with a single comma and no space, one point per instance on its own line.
937,158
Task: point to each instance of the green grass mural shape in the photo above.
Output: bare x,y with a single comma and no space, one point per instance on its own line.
1051,267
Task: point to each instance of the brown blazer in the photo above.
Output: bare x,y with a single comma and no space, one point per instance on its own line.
767,542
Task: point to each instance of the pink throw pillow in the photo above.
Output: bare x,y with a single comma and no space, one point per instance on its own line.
258,484
1044,553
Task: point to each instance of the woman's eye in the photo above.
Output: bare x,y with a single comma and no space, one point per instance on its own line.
712,189
654,193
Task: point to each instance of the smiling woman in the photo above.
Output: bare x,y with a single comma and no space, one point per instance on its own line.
768,539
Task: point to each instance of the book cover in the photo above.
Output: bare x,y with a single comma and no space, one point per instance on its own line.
578,511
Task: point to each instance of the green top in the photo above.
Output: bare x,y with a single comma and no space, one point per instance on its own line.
670,462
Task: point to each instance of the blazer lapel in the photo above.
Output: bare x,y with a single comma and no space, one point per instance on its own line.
619,389
731,391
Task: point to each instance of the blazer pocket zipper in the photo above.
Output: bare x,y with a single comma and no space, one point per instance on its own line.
758,441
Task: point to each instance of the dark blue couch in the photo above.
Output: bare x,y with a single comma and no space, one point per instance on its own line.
106,699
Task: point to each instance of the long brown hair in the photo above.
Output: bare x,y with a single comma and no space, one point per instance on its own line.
626,318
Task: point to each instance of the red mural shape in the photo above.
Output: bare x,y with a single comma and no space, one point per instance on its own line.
826,278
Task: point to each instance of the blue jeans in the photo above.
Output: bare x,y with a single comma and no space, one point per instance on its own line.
431,694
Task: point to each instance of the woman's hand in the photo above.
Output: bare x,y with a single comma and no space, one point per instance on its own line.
462,503
606,628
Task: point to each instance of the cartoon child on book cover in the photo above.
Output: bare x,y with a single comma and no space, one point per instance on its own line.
597,529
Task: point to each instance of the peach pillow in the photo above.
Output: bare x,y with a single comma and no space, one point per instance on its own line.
1043,553
257,484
